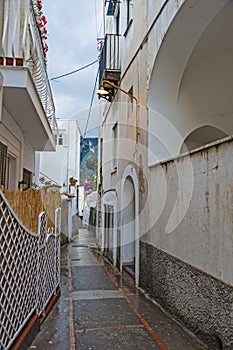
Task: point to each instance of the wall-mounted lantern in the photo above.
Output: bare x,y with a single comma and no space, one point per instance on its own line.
22,185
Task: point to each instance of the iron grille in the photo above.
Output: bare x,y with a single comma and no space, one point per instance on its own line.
110,55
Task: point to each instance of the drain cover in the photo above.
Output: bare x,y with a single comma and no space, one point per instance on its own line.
79,246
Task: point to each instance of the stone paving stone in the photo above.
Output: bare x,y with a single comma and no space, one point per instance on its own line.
96,294
116,339
90,277
103,313
101,317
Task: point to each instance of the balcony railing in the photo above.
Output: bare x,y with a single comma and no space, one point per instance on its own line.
109,65
21,45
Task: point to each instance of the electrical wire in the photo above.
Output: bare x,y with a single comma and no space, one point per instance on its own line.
93,92
75,71
91,102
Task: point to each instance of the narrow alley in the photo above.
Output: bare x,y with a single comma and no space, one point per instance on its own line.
99,309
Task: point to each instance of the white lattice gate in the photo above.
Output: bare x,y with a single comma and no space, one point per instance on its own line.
29,271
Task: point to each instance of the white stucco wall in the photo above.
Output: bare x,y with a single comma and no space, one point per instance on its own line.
189,210
20,151
29,158
59,166
53,165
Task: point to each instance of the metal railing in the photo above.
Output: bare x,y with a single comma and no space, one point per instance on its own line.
29,273
110,55
20,41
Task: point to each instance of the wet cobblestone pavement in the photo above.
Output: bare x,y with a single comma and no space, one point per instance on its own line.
99,309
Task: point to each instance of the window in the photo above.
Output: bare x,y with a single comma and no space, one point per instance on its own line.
27,177
11,171
114,145
111,7
61,138
127,15
117,20
130,103
129,11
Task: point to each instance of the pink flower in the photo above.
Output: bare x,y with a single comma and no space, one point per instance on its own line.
40,25
46,48
41,22
43,18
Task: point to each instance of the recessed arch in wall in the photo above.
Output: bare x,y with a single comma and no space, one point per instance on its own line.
201,136
191,82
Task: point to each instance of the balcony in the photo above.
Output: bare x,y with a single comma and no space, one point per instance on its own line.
26,90
109,65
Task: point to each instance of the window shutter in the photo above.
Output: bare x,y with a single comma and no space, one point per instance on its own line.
3,163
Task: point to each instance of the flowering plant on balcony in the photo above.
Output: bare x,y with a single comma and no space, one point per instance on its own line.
41,23
72,180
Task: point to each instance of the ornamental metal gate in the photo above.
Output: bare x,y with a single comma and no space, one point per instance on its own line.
29,271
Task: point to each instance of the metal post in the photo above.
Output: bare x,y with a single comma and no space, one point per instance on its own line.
98,175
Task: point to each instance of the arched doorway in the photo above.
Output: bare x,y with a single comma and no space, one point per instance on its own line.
129,247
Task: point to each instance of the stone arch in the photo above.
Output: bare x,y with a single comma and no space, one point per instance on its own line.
201,136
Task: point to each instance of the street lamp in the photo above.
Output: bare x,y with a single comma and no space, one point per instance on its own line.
22,185
103,93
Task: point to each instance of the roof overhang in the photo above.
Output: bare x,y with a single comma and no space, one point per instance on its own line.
22,102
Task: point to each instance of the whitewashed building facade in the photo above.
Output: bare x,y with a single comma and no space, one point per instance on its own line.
27,114
59,166
167,156
56,168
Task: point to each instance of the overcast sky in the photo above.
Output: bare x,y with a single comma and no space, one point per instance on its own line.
73,27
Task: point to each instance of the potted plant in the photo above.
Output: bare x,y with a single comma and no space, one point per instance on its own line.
72,181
